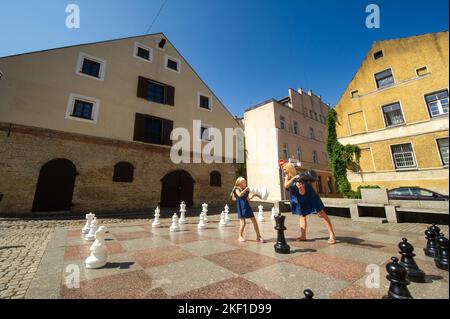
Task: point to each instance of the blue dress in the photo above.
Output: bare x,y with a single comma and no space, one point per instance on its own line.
243,206
307,204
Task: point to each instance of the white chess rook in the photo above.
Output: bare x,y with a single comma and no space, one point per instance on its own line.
99,254
182,219
93,228
156,223
201,223
174,227
223,221
261,214
87,226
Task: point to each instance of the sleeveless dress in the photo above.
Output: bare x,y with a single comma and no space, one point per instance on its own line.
307,204
243,206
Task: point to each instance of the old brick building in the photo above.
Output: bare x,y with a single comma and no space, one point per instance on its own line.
87,128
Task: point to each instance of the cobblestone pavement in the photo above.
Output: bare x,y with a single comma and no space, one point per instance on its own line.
23,243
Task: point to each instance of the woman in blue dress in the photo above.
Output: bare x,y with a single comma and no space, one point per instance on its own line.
241,194
305,201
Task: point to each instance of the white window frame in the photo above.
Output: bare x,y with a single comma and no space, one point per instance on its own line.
71,105
439,150
384,87
175,60
440,105
208,127
403,168
81,57
384,118
138,45
422,67
199,94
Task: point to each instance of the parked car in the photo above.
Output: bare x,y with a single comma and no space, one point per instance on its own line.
415,193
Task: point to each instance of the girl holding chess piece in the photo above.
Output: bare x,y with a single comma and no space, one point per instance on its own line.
305,201
242,195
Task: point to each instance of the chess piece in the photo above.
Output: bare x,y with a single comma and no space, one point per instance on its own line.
93,228
205,212
436,229
201,223
99,255
156,223
87,226
182,219
414,274
281,247
175,227
432,247
223,221
441,259
227,211
274,213
398,288
308,294
261,214
262,193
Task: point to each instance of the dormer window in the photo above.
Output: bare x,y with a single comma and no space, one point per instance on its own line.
422,71
143,52
204,102
172,64
354,94
378,55
91,66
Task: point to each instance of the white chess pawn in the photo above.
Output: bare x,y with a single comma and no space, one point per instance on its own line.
261,214
227,217
93,228
99,254
201,223
272,217
223,222
182,213
87,226
174,227
156,223
205,212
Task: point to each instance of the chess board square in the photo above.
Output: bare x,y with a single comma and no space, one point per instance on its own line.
183,276
358,292
183,237
159,256
382,238
131,285
73,233
132,235
78,241
206,247
145,243
311,245
363,255
268,250
234,288
79,252
331,266
289,281
218,233
125,229
241,261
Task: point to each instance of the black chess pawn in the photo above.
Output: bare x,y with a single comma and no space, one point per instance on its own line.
407,261
435,228
398,289
441,259
281,247
432,245
308,294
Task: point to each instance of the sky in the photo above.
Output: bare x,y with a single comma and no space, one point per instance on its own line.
247,51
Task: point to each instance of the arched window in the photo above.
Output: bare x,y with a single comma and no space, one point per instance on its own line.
123,172
215,179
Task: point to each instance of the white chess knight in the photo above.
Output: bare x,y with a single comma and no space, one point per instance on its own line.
261,192
175,227
205,212
201,223
227,211
93,228
99,254
156,222
182,219
261,214
223,221
87,226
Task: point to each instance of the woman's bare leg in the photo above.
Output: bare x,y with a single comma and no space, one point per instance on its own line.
303,224
326,220
241,229
256,227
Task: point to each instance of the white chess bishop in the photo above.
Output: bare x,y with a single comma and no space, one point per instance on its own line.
99,254
201,223
87,226
182,219
93,228
261,214
227,211
175,227
156,223
223,222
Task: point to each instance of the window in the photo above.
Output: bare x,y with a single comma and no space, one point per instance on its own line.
378,55
286,151
282,123
90,66
143,52
123,172
330,185
310,114
82,108
419,192
384,79
443,150
403,156
205,133
315,116
299,153
393,114
215,179
437,103
354,93
311,133
172,64
315,157
154,130
204,101
296,128
401,192
319,184
422,71
156,92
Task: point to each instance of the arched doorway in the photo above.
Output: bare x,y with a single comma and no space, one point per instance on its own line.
177,186
54,190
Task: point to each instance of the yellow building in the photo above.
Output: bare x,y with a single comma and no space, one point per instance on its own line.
396,110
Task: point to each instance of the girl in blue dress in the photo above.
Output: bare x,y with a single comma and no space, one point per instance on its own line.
305,201
242,195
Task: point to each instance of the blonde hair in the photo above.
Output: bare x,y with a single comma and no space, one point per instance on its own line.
290,169
237,185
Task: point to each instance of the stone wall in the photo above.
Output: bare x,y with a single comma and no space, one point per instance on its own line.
24,150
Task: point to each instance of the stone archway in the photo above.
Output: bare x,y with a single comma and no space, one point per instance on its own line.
177,186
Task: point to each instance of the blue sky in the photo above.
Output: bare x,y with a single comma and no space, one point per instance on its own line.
246,51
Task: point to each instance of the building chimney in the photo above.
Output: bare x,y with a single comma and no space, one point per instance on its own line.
300,90
310,92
